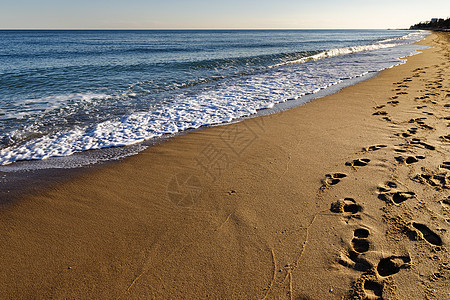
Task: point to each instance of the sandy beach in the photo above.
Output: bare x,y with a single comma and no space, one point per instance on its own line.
346,197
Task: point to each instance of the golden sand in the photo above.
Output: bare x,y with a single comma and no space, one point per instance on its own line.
346,196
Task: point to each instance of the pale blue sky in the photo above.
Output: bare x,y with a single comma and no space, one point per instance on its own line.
211,14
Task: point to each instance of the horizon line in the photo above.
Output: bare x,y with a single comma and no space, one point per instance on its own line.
204,28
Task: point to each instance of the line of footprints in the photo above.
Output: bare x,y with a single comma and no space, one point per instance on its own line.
360,242
369,283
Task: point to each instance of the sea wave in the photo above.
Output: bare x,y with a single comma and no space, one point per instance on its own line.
387,43
215,102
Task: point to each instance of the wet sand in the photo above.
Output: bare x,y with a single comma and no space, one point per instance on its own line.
344,197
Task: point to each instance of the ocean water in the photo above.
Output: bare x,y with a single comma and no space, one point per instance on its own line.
64,92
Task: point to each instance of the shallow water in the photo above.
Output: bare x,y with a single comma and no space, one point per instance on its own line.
64,92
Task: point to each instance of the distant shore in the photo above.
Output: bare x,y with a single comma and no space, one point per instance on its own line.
344,197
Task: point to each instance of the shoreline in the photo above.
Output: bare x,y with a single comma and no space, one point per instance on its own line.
32,176
28,177
271,88
243,210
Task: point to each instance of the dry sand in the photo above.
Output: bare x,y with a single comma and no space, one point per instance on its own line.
345,197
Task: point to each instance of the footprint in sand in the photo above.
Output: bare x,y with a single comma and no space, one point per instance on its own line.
391,265
361,162
421,123
400,150
359,242
393,102
397,197
417,120
373,289
408,160
404,134
332,179
445,165
360,245
374,148
369,286
427,234
352,259
410,132
425,126
445,201
413,130
380,113
418,142
346,206
372,285
361,233
437,180
390,195
445,138
421,98
448,125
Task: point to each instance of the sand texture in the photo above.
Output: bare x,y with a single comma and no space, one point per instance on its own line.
346,197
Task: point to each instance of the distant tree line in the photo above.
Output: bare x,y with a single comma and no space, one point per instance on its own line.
433,24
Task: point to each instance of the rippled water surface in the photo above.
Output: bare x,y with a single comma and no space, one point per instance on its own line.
63,92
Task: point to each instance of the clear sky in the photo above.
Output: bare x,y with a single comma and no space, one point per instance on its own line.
212,14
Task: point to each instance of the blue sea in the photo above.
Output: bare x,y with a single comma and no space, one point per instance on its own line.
66,92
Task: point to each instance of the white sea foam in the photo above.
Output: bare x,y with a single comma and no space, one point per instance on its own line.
221,103
335,52
388,43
